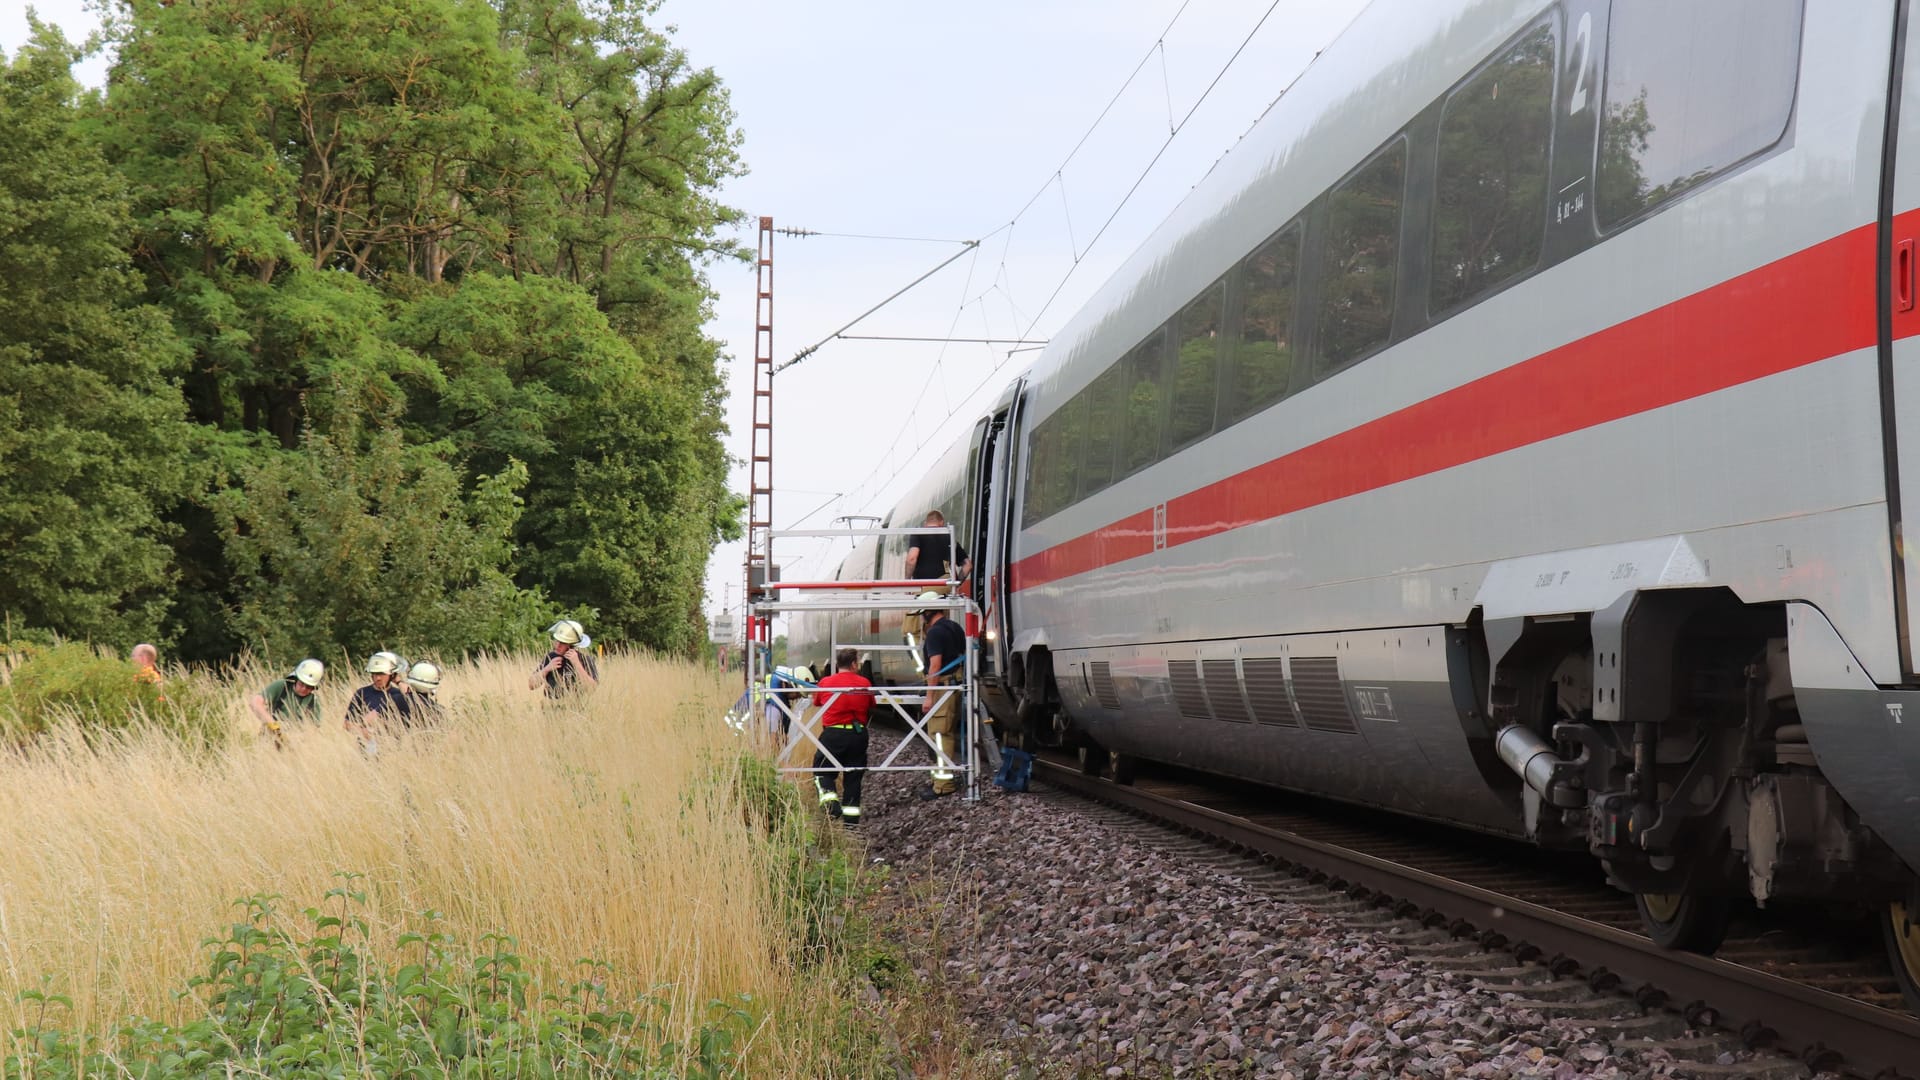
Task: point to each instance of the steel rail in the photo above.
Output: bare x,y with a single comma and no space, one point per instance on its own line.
1823,1029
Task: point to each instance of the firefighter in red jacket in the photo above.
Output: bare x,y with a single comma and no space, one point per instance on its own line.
847,698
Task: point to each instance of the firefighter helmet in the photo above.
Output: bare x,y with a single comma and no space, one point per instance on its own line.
425,675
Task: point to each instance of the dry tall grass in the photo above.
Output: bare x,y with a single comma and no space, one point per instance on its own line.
599,827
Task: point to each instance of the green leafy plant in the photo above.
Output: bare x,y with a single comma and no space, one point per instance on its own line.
47,686
325,1005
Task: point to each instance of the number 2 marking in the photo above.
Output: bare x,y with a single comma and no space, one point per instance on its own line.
1583,45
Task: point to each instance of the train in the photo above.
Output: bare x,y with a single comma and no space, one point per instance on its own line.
1512,430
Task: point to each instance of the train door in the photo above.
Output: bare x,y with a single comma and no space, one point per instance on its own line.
1900,321
992,472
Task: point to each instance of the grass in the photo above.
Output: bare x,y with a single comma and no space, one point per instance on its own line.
628,827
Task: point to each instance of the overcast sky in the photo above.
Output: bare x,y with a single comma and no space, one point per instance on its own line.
895,119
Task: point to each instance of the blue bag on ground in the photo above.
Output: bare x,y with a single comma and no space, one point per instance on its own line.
1016,768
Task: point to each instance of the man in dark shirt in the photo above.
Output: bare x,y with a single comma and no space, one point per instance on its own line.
945,643
843,733
568,666
379,703
928,560
927,557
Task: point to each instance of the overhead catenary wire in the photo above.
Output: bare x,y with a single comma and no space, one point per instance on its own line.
1080,254
815,347
1159,47
867,486
948,340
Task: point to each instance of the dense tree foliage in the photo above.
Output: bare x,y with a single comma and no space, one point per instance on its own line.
410,295
94,447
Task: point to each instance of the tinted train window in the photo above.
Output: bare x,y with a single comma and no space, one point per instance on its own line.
1055,462
1039,450
1261,362
1197,334
1490,197
1070,451
1358,267
1145,384
1691,90
1103,430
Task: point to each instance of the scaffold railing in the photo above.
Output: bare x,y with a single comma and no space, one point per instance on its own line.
781,711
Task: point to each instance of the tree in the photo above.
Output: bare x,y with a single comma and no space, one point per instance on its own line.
357,541
625,495
482,226
94,446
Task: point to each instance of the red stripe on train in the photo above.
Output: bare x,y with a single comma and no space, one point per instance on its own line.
1804,308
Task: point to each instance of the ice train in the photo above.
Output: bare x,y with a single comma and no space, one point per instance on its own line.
1512,430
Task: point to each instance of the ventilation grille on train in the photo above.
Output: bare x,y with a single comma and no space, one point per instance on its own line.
1267,691
1186,689
1103,690
1316,687
1223,690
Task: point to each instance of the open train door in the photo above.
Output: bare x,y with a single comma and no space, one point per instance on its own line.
991,471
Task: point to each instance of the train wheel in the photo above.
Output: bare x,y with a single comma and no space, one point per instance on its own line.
1900,927
1094,760
1696,922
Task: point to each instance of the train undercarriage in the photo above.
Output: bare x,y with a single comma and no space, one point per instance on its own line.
1663,736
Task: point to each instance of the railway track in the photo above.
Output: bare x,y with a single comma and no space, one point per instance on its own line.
1798,985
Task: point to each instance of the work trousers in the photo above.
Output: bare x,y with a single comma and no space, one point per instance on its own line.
943,731
849,746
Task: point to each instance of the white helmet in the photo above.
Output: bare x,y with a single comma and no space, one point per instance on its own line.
309,672
931,594
383,663
569,632
425,675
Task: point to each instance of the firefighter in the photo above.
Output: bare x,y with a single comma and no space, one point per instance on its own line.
288,698
945,642
423,704
568,666
784,697
847,699
380,702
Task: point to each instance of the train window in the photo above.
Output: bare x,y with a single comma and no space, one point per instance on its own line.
1691,90
1144,412
1360,258
1490,197
1039,464
1261,360
1103,430
1067,449
1195,367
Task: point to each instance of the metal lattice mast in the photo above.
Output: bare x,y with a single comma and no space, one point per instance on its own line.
760,461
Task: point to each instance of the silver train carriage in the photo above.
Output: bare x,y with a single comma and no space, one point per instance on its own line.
814,636
1512,431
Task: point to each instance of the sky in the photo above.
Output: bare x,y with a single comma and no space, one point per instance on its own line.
1020,123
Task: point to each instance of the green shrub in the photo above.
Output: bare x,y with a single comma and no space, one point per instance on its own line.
50,685
324,1007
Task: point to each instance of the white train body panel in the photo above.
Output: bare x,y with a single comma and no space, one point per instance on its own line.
1686,396
1774,478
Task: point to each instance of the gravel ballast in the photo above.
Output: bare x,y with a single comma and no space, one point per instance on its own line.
1078,941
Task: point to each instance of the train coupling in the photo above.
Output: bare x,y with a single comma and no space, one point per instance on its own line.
1557,780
